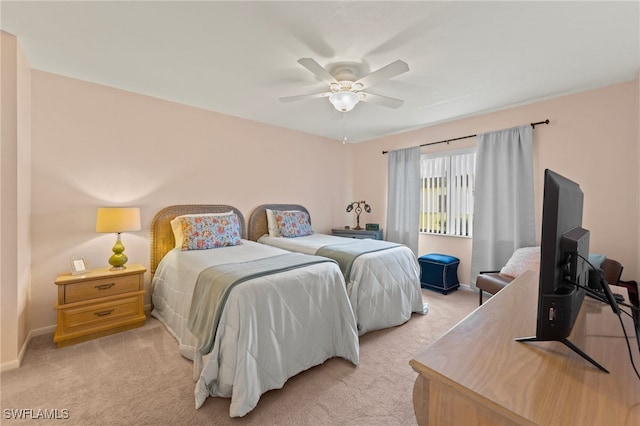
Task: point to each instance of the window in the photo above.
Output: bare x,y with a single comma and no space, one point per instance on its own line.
447,184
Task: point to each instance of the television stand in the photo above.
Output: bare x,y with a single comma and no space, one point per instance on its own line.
570,346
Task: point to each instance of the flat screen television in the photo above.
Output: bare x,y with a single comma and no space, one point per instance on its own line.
564,270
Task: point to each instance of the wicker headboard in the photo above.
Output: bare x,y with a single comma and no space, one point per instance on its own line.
258,219
162,240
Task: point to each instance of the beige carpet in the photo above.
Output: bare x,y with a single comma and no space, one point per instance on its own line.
138,378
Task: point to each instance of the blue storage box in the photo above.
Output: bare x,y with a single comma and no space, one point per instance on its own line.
439,272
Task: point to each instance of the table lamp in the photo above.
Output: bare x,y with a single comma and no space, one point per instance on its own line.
358,209
118,220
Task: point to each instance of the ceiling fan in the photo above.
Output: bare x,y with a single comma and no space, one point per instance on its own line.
346,90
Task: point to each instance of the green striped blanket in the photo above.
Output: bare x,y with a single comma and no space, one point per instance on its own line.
216,282
345,253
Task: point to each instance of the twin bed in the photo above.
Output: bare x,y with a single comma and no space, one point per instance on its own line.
251,315
383,279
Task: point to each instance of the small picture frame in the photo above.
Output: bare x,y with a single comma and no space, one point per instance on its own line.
79,266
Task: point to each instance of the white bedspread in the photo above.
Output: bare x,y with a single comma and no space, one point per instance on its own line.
383,287
272,328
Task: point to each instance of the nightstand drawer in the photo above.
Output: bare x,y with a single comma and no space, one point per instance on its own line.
90,316
100,288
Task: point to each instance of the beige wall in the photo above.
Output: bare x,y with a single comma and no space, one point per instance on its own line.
592,139
15,169
97,146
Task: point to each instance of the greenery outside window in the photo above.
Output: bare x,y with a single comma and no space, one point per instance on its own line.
447,184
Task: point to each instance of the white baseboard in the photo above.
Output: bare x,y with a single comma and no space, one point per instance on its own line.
43,330
16,363
13,364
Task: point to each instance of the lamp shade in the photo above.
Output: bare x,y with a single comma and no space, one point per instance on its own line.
344,101
118,219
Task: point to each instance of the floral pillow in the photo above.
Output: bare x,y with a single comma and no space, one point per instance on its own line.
210,231
293,223
176,225
523,259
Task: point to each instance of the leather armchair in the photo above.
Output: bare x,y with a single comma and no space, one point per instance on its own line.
611,270
491,282
523,259
612,273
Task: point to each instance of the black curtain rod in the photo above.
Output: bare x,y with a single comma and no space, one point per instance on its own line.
471,136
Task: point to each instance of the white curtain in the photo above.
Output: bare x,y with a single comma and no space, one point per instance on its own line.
504,216
403,204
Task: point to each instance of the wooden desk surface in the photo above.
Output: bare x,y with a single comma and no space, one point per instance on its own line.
478,373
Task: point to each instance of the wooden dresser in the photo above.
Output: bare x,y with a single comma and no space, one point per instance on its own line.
478,374
99,303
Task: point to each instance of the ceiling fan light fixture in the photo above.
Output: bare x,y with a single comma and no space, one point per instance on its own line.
344,101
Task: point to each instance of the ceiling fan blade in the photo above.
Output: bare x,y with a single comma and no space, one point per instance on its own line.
384,73
318,70
380,100
302,97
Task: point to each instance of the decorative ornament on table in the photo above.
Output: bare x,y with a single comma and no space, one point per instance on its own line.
358,206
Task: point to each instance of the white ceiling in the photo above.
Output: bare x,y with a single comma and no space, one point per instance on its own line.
239,57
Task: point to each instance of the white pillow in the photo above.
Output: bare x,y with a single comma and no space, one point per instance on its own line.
271,224
176,225
523,259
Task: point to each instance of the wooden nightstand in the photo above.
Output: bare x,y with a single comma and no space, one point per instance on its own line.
99,303
353,233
